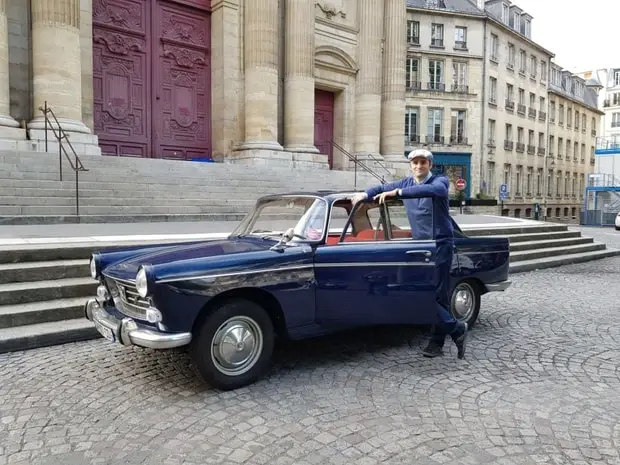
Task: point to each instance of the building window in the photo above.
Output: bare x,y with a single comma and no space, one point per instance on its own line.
528,182
491,132
522,61
435,126
510,93
494,47
615,120
460,38
543,70
519,185
437,35
533,66
542,106
558,183
511,56
490,177
569,118
412,74
520,135
539,174
528,28
457,130
532,100
413,32
493,90
541,140
517,22
505,13
508,176
560,146
435,72
576,150
617,78
521,96
412,133
576,120
583,122
551,145
561,114
552,111
549,183
583,152
459,77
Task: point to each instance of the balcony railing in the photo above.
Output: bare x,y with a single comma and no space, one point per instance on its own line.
439,86
531,112
413,86
531,149
521,109
593,133
541,150
508,145
542,115
606,103
436,42
411,139
460,45
458,140
510,105
615,124
413,40
434,139
460,88
491,143
520,147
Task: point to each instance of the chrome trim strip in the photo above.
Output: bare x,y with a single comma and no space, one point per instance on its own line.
431,242
125,281
237,273
371,264
498,287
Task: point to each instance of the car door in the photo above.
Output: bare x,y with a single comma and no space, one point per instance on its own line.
367,278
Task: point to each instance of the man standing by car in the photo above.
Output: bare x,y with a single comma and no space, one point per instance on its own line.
426,200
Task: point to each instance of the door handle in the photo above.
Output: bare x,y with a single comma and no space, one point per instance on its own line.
426,253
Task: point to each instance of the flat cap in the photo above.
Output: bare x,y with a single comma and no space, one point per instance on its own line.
420,153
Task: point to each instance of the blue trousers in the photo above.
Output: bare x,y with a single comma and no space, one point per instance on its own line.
446,323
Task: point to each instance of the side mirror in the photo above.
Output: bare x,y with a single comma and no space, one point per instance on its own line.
287,236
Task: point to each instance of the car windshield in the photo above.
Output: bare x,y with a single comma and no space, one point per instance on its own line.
271,217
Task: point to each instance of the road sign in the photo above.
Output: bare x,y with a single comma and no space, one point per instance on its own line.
503,191
460,184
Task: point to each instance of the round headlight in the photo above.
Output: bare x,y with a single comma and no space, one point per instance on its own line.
141,283
93,267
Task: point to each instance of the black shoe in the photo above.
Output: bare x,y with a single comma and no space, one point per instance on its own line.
433,350
460,342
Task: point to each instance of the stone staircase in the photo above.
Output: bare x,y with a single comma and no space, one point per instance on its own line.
43,287
121,189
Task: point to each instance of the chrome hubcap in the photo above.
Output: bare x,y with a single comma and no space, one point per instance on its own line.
464,301
237,345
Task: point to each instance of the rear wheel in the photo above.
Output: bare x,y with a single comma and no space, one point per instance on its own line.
233,345
465,302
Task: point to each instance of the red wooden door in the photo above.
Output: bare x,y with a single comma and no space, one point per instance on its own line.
121,76
182,78
151,77
324,123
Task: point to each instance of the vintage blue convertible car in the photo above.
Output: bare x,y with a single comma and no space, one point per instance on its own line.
299,265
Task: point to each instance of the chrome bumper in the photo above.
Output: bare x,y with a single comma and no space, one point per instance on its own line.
498,287
126,332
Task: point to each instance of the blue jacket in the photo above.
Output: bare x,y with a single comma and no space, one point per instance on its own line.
424,203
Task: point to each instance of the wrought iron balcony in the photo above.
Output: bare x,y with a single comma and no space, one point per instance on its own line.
435,139
411,139
531,149
436,42
460,88
520,147
508,145
458,140
542,151
413,40
439,86
510,105
531,112
412,86
460,45
615,124
593,132
542,115
521,109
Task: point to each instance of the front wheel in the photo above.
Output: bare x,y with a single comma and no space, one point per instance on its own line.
234,344
465,303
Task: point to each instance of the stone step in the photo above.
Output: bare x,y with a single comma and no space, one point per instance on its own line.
39,291
134,210
231,203
515,238
555,251
90,191
12,316
514,231
43,270
46,334
555,261
549,243
117,218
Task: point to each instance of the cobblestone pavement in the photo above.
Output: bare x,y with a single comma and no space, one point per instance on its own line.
540,384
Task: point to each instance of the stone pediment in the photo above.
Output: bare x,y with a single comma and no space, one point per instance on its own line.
335,58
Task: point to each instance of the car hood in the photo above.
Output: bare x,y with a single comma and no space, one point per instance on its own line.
186,257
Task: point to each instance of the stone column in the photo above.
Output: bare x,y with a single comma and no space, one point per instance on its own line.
393,98
299,76
368,88
261,43
56,63
9,128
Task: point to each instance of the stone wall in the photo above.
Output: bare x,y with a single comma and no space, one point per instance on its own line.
20,79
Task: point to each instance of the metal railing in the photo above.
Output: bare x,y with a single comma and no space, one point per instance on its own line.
60,136
357,162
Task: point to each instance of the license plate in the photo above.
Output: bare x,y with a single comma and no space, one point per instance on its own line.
105,332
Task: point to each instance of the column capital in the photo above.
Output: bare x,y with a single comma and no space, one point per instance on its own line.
58,13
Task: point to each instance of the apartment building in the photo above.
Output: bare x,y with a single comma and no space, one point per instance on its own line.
573,122
515,109
607,81
444,76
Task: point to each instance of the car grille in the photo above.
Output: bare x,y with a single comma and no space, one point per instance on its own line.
127,299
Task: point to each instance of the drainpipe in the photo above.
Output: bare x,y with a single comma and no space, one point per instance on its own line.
483,109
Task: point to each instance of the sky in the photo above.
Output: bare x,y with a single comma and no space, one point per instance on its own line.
586,38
